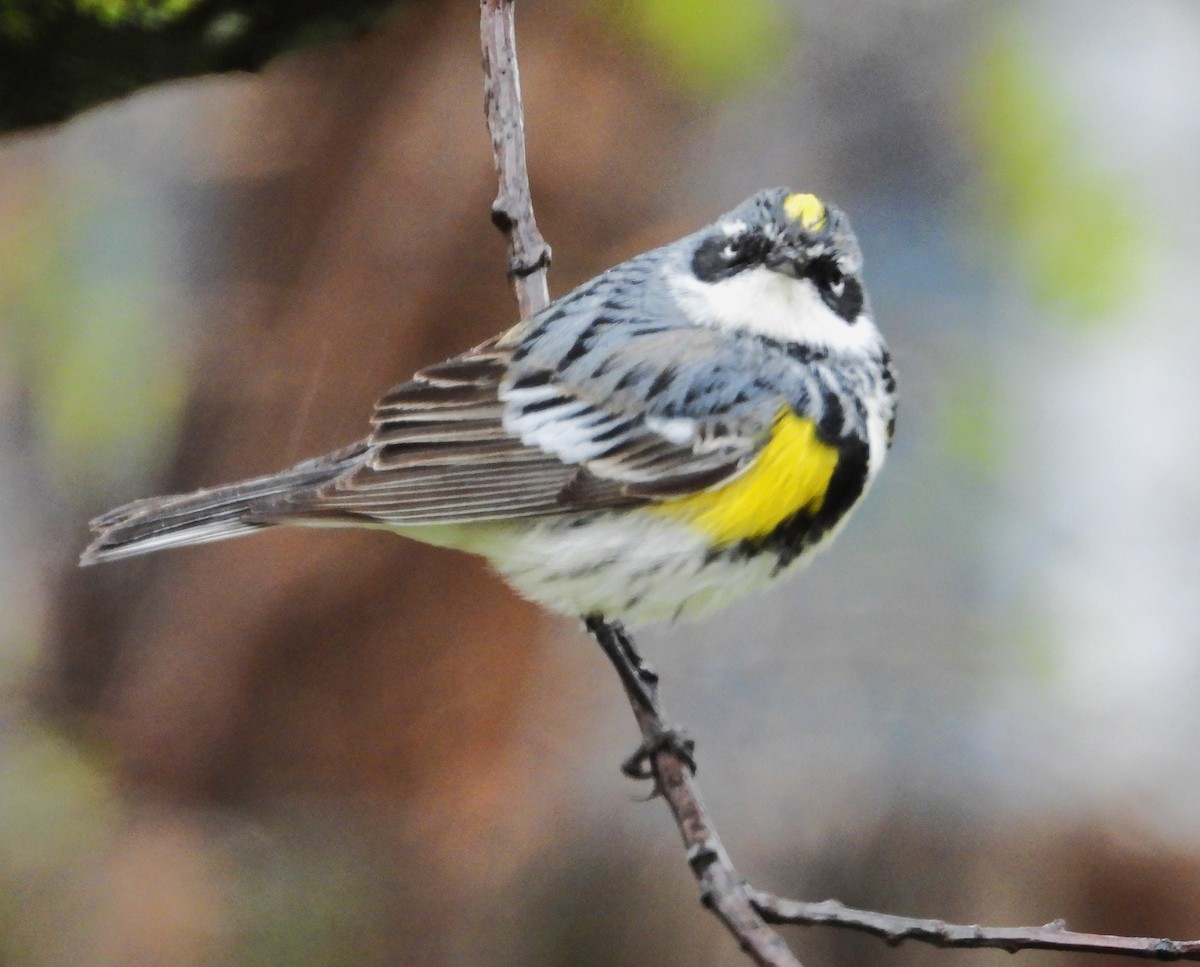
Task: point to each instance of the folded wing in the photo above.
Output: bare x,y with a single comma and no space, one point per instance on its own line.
497,433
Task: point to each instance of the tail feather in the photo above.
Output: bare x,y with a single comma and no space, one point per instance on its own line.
212,515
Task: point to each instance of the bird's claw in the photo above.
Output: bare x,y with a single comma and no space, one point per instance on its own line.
672,740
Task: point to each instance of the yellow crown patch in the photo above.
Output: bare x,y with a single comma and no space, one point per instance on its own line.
808,210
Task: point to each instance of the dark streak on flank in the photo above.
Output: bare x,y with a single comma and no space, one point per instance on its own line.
833,418
889,384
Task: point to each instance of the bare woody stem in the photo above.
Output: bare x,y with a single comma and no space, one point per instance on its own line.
722,890
747,911
512,211
895,930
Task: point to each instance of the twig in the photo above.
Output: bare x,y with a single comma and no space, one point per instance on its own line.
747,911
895,930
722,890
512,211
665,756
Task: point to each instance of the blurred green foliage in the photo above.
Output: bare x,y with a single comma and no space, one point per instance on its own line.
714,47
59,809
1073,228
16,19
147,13
973,430
293,892
304,902
59,57
80,339
56,801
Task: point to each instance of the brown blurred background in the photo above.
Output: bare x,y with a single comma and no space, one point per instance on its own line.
344,748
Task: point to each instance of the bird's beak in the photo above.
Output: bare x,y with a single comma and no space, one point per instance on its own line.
788,260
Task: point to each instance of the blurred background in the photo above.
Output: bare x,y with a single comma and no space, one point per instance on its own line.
340,748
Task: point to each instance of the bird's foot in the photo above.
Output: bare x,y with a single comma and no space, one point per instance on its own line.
668,739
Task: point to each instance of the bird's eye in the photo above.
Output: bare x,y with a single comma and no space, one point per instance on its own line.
721,255
840,292
747,248
827,277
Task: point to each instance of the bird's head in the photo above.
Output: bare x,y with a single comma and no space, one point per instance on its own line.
785,264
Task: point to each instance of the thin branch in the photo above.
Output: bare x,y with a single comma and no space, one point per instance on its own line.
747,911
895,930
722,890
512,211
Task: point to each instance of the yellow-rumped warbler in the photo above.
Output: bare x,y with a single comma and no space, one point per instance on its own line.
679,431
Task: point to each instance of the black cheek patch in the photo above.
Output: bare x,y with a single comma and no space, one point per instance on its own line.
709,264
847,305
720,256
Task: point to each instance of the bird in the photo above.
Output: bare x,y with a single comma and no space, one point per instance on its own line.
682,430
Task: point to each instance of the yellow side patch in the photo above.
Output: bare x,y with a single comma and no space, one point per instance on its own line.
790,474
808,210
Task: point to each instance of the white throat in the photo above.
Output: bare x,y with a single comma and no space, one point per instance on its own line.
772,304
